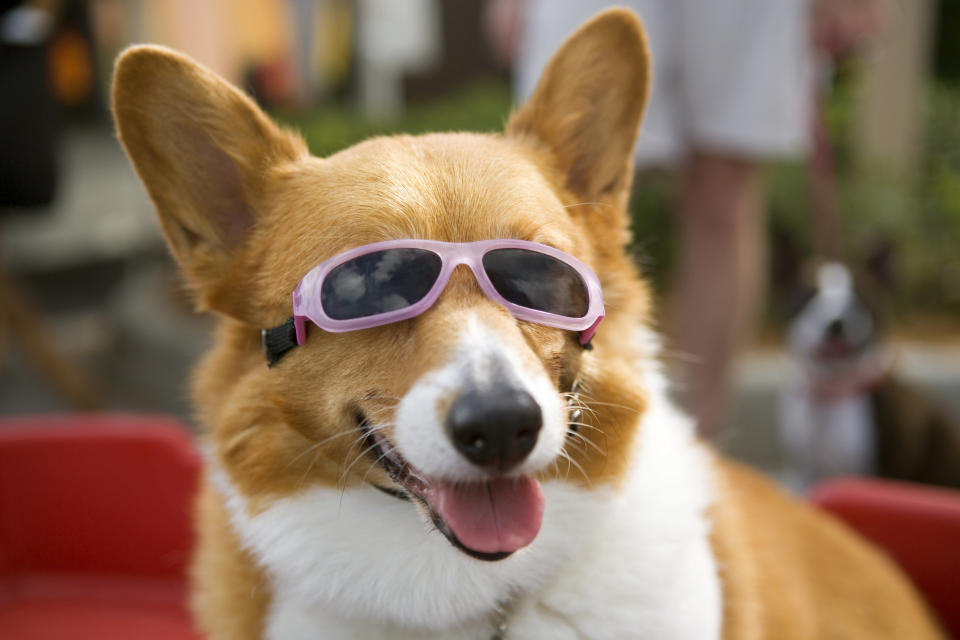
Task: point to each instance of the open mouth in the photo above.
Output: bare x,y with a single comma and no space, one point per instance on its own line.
487,520
836,349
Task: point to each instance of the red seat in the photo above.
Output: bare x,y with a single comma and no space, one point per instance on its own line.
919,526
95,527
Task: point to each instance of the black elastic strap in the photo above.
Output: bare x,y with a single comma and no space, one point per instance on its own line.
277,341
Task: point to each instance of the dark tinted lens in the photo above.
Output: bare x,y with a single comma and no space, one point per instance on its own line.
537,281
379,282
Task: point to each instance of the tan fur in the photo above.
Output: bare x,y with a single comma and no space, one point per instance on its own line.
792,572
231,594
248,212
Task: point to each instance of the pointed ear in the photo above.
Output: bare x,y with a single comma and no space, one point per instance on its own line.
204,151
587,107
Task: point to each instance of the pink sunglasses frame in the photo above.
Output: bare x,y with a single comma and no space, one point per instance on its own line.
307,304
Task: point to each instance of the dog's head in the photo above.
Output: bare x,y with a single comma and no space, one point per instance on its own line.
833,326
465,409
836,336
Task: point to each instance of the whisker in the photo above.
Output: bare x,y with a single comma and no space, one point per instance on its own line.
375,463
343,476
316,445
377,426
342,481
589,443
587,426
575,402
369,426
616,406
576,447
313,461
584,409
566,456
577,465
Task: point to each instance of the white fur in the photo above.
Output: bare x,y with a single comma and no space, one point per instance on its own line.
478,359
633,563
825,439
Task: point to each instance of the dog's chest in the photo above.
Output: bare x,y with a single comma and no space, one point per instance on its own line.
826,438
654,575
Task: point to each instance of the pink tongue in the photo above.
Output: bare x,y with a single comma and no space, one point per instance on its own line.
491,517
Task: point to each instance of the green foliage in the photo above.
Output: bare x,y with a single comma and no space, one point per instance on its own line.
946,54
654,232
919,217
482,106
938,202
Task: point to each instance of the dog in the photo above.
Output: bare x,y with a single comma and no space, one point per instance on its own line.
434,407
845,411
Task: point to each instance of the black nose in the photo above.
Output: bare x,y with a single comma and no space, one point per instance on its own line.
496,428
835,328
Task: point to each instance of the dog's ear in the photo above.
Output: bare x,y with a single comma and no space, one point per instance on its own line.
204,151
587,106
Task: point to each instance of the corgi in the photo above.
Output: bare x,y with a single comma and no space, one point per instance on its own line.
845,410
434,407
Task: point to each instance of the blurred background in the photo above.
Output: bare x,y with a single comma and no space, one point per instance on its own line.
92,312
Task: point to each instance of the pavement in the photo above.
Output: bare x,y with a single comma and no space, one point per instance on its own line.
95,265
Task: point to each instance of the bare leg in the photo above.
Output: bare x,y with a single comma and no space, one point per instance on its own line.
720,276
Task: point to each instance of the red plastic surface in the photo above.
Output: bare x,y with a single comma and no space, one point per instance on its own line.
918,526
95,527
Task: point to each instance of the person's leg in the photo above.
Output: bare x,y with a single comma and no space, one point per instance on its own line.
744,87
719,277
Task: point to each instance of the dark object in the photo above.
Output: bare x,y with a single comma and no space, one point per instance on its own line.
917,439
277,341
28,131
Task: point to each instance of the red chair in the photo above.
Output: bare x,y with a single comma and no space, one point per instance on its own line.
919,526
95,527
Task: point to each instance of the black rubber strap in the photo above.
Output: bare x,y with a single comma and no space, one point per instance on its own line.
277,341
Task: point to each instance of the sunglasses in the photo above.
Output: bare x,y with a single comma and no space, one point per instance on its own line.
386,282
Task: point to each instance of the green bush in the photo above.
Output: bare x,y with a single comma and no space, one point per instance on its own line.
482,106
919,216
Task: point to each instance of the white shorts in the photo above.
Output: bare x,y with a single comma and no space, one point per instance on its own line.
729,76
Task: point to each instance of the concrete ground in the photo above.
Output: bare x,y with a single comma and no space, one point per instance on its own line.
95,264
